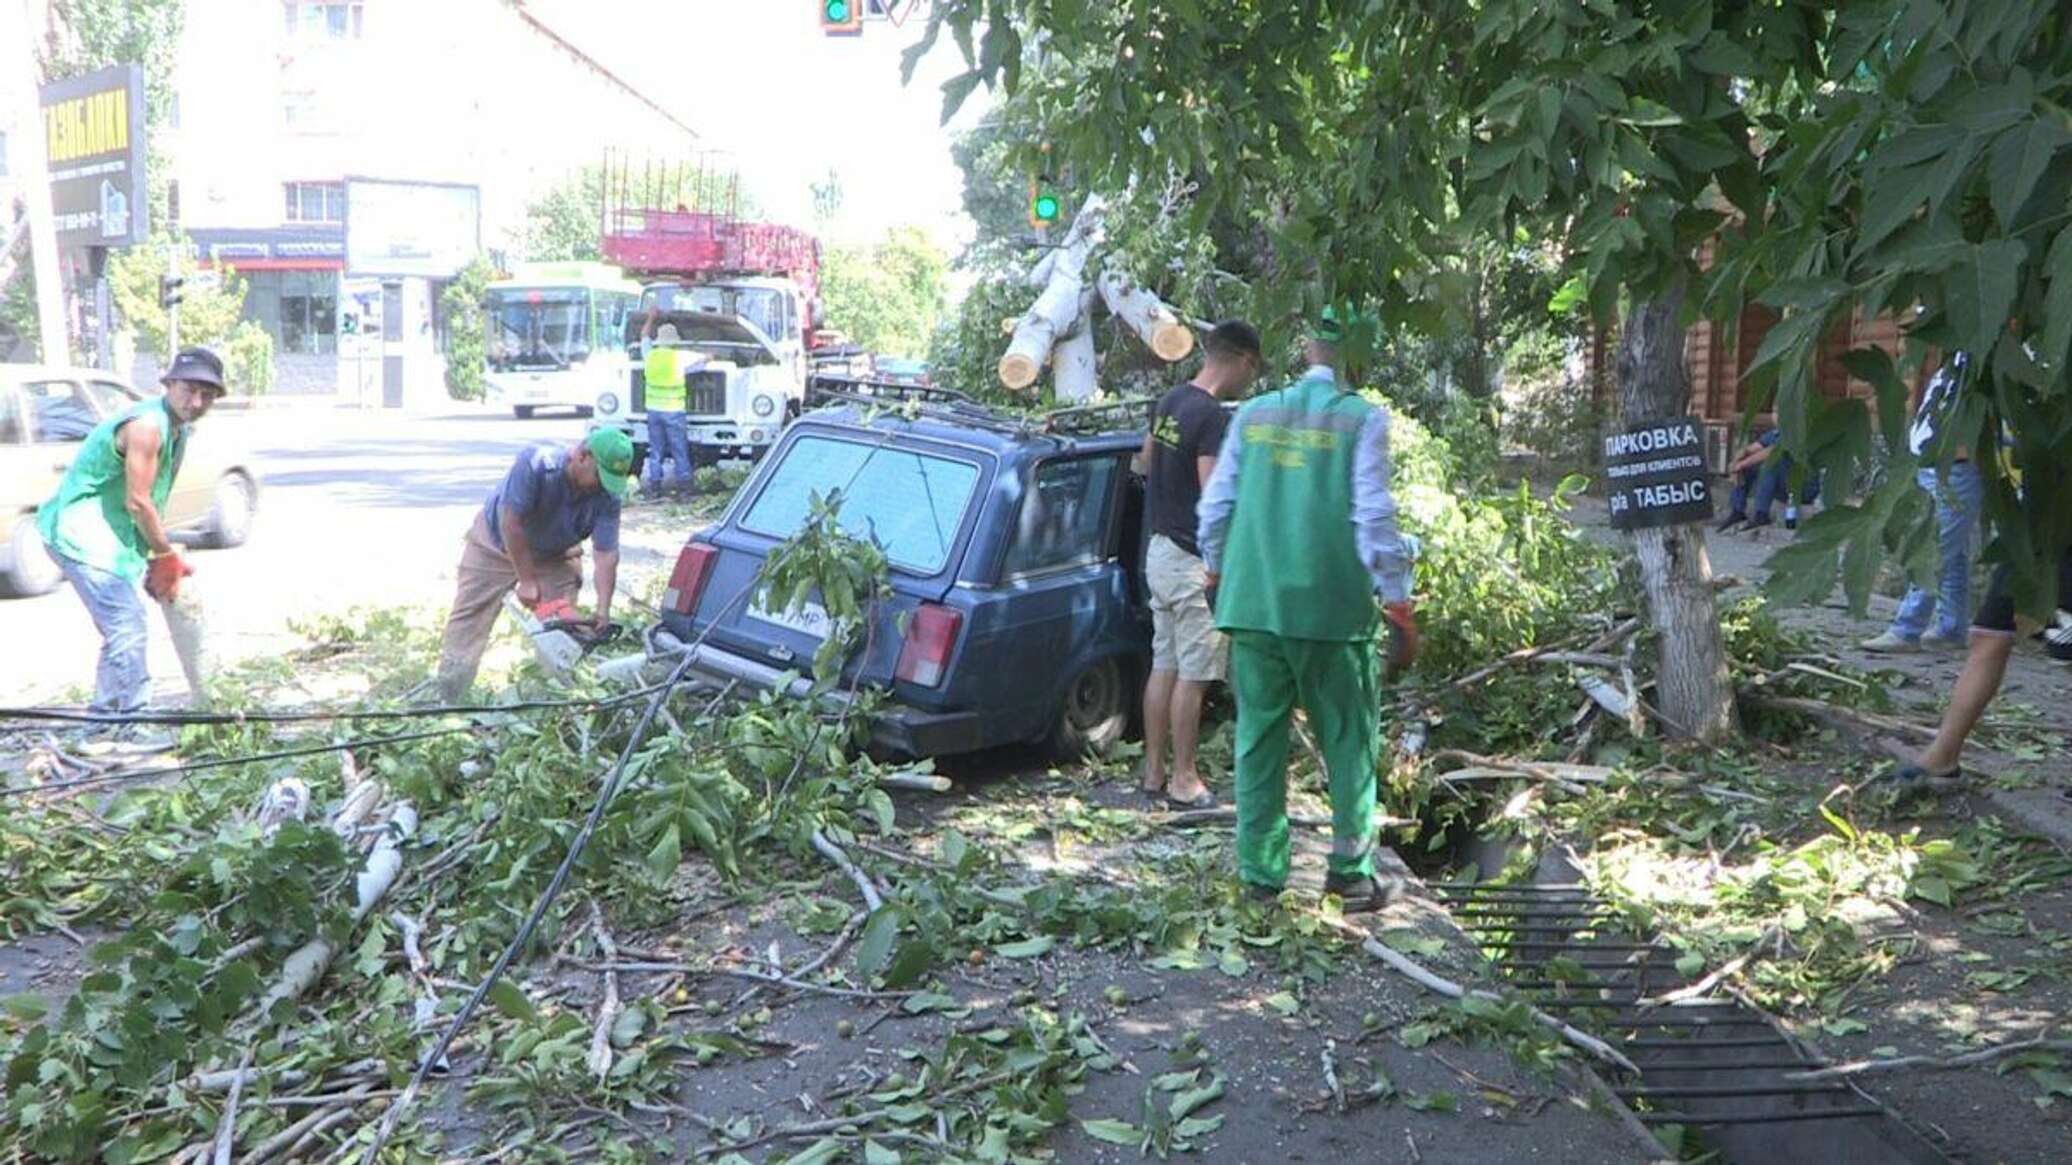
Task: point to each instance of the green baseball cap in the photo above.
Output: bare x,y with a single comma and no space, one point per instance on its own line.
1327,327
614,452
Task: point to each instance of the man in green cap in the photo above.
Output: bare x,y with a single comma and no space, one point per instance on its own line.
105,527
530,535
1298,532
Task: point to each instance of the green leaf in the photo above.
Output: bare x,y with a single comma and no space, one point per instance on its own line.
820,1152
1196,1126
510,999
667,854
880,804
874,947
2057,304
1115,1132
1980,292
1932,888
1283,1002
876,1154
909,964
1232,963
1175,1081
1028,948
29,1008
1431,1102
1409,942
1689,963
1194,1098
2019,158
955,90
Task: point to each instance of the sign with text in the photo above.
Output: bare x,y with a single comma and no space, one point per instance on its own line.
430,229
93,128
1657,476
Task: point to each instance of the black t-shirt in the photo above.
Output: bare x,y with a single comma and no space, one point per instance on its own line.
1189,423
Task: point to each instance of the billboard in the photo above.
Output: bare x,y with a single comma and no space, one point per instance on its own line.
429,229
93,128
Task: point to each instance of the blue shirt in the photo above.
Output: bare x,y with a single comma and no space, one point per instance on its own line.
1380,542
553,515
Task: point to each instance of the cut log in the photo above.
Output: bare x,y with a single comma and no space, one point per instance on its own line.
1159,326
1057,307
1074,377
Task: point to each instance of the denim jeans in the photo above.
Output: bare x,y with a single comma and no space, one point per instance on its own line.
1765,482
668,437
1956,517
121,680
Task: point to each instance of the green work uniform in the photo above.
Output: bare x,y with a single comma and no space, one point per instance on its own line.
88,519
664,375
1299,607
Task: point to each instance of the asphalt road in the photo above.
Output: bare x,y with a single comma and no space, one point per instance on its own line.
355,508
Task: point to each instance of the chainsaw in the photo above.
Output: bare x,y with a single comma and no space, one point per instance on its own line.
560,637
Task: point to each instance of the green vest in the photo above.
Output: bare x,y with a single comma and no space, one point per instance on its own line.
87,520
1290,565
664,379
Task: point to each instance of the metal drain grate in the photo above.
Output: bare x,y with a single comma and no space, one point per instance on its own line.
1707,1063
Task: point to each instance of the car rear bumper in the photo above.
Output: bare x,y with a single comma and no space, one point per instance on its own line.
897,727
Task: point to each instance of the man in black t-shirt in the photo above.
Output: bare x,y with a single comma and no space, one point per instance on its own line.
1187,652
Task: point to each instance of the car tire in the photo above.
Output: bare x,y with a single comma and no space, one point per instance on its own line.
230,513
522,412
30,570
1094,712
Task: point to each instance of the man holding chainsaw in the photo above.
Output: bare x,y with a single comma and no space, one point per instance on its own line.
105,527
1305,564
530,535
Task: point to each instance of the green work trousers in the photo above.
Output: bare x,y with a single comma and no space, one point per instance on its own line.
1335,685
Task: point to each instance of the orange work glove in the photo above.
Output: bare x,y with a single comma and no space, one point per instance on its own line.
162,576
1403,641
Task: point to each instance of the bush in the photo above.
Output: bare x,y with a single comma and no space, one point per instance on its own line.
466,329
248,359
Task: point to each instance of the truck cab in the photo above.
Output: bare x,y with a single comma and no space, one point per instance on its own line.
749,334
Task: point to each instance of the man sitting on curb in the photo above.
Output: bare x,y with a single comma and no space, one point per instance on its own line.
530,535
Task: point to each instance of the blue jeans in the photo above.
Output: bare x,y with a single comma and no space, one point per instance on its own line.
1765,482
121,679
668,437
1957,510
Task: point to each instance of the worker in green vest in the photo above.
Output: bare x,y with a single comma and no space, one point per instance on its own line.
1298,533
105,527
665,366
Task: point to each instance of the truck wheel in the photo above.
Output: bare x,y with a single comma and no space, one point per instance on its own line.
30,571
1094,712
522,412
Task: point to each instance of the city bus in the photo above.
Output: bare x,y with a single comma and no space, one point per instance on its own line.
556,336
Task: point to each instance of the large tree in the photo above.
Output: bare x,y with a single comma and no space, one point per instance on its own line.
887,296
1881,154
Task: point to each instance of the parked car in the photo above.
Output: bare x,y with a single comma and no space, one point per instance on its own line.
900,370
1018,609
45,413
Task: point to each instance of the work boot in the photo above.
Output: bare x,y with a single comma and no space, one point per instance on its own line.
1886,643
1729,522
1359,893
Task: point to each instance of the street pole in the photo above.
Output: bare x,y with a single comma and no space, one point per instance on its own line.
172,310
35,159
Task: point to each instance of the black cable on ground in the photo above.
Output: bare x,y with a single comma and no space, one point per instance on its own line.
223,762
68,716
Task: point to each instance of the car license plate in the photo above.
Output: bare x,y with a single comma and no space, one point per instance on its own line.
806,619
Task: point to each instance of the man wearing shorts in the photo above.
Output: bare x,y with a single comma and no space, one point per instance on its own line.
1993,635
1187,652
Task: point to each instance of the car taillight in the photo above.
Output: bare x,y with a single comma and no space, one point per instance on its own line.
687,581
931,636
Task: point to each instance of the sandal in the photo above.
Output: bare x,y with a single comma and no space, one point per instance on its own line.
1910,777
1206,799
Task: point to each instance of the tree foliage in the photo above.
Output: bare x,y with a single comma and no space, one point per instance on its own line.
1903,156
464,302
211,312
889,296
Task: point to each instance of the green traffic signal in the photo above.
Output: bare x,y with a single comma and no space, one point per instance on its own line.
838,10
1045,208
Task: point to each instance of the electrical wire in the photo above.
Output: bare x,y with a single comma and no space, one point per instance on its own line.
222,762
189,719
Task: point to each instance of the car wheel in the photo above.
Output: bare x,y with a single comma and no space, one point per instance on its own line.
1094,713
522,412
230,514
31,572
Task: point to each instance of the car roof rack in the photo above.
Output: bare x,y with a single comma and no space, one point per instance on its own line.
956,408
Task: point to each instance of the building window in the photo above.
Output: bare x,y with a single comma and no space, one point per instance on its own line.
299,309
315,201
172,202
326,21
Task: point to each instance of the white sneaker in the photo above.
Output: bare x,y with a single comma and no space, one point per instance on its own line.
2057,638
1886,643
1933,641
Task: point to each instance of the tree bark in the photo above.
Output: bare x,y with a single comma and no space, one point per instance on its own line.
1697,697
1155,323
1072,373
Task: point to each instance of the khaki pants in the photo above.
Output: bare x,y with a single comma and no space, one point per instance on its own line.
486,575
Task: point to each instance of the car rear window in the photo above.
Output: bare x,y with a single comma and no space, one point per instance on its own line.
912,503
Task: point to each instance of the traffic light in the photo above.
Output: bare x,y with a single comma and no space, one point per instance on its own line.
1044,203
169,289
841,17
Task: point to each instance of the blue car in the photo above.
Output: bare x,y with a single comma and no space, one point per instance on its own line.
1018,609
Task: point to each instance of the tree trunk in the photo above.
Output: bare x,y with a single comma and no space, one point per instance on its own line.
1050,318
1072,373
1148,316
1694,688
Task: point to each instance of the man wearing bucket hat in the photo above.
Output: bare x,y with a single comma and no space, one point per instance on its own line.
1298,532
665,368
105,526
530,535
